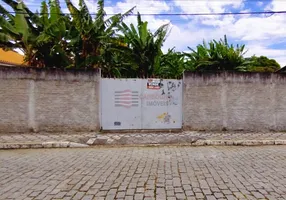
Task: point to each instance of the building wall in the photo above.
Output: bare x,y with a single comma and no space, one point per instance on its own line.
234,101
49,100
11,57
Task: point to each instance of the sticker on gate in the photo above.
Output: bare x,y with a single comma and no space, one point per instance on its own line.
154,84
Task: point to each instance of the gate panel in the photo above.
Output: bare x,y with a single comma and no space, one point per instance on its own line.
120,104
161,104
141,104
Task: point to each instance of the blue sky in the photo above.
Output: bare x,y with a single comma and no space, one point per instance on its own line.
262,35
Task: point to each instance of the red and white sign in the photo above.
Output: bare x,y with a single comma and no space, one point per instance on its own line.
154,84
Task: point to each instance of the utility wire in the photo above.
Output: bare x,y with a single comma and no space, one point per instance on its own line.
185,14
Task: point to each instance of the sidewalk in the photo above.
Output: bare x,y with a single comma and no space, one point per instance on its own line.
191,138
43,140
194,138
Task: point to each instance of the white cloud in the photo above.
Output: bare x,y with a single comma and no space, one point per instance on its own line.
146,7
260,3
276,5
206,6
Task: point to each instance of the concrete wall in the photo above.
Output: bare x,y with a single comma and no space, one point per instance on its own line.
234,101
48,100
55,100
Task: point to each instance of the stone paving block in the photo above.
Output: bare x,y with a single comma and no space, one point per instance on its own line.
197,190
189,193
60,195
179,190
207,191
102,173
230,197
49,197
34,194
199,195
138,196
226,192
258,195
191,198
78,195
218,195
140,190
210,197
180,196
130,192
110,197
88,197
120,195
71,193
101,193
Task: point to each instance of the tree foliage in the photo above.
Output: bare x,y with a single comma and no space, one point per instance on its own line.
262,64
90,37
172,65
51,39
143,47
217,56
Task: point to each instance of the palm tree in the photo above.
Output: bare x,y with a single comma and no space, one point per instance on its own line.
143,47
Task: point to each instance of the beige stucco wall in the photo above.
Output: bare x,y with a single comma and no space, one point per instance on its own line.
234,101
48,100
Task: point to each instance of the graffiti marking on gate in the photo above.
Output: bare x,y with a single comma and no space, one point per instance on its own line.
165,117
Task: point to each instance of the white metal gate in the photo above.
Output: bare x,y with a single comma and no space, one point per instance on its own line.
141,104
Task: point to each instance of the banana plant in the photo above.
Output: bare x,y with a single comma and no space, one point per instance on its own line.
91,35
15,31
172,65
217,56
143,47
51,44
37,35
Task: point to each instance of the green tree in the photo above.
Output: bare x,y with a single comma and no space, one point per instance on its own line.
143,47
262,64
217,56
15,30
172,65
39,36
92,37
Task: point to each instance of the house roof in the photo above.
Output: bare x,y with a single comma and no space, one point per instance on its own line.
11,58
282,70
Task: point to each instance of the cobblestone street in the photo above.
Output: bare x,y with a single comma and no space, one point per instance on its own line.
144,173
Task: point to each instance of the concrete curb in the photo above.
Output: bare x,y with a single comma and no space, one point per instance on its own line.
65,144
199,142
37,145
238,142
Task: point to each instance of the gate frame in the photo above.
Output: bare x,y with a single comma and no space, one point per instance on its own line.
172,130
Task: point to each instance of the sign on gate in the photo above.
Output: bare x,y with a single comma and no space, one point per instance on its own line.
141,104
154,84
